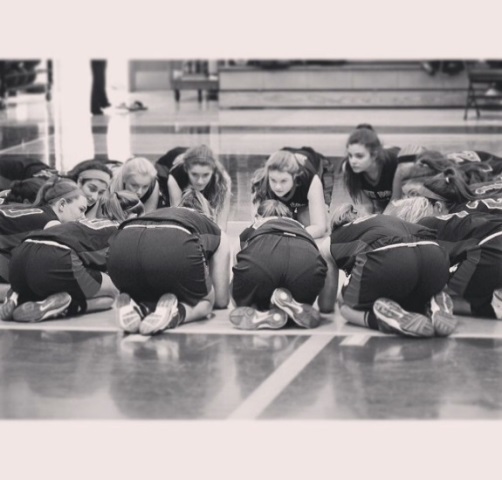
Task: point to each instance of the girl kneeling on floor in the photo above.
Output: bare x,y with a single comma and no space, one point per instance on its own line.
392,265
279,265
473,242
292,180
176,260
62,268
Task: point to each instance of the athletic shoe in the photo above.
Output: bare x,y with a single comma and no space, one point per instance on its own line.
165,316
248,318
128,313
8,306
53,306
440,311
393,318
302,314
497,303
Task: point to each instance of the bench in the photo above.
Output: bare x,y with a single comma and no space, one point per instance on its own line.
482,77
194,81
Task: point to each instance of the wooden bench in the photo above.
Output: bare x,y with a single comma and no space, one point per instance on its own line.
194,81
482,77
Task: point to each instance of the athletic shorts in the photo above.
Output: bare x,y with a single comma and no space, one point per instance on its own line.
409,275
271,261
38,270
478,276
148,261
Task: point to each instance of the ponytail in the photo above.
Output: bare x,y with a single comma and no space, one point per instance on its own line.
119,205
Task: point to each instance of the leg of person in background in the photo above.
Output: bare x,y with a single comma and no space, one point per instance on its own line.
99,99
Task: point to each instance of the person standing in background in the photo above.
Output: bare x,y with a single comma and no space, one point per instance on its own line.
99,99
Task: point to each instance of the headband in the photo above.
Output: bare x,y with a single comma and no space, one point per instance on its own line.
92,174
423,191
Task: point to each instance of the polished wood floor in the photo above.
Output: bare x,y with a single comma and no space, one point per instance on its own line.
85,368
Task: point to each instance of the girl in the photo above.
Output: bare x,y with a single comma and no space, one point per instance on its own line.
57,201
451,193
474,245
393,266
198,168
93,177
138,175
369,169
292,180
280,264
61,267
22,191
176,258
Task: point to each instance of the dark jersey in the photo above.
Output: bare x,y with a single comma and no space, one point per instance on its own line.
276,226
15,167
88,238
163,199
485,205
372,232
460,232
179,173
380,192
16,221
196,223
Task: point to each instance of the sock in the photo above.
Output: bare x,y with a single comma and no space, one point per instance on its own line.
182,312
371,320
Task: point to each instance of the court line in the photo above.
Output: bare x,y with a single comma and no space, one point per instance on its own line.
22,145
271,388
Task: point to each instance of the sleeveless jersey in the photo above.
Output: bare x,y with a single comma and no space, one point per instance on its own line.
460,232
88,238
196,223
277,226
16,221
371,232
380,192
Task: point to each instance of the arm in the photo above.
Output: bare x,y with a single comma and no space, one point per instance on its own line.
327,297
219,270
403,172
174,191
223,216
317,209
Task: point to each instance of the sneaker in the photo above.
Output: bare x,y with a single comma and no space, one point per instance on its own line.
497,303
441,312
128,313
302,314
51,307
393,318
8,306
248,318
165,316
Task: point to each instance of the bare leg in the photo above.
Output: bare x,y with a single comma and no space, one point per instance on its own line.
356,317
103,300
201,310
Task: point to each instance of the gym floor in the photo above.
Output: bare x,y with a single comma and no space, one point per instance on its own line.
320,384
85,368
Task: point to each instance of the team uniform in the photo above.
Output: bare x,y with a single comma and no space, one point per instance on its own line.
380,192
15,167
65,258
387,257
16,221
485,205
164,251
474,245
297,198
278,254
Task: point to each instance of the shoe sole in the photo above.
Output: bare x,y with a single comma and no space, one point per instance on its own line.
303,315
127,316
443,321
244,318
6,310
497,303
407,323
160,318
33,312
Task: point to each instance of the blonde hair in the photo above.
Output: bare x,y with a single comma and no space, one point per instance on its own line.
194,199
342,215
119,205
273,208
410,209
133,166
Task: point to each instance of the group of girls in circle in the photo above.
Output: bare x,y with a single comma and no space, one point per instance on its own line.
151,237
